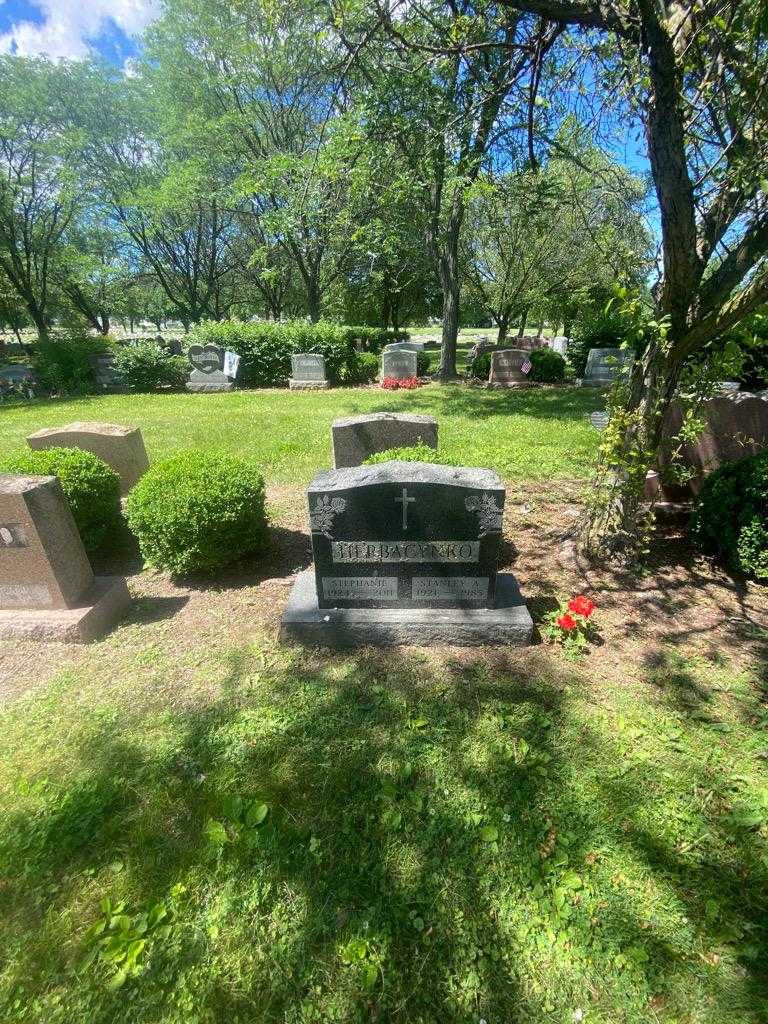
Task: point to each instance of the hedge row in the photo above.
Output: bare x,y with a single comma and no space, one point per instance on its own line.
265,348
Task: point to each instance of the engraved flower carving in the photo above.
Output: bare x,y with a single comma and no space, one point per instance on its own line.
489,513
325,511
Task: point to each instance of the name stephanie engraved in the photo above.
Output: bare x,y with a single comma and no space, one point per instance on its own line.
406,551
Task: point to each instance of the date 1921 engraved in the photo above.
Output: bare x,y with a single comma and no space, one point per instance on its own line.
439,588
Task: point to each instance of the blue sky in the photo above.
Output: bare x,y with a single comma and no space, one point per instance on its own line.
74,28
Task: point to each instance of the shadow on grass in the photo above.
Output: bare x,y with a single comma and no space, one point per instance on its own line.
381,774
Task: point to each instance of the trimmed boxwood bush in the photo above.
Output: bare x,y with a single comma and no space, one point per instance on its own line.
548,366
198,512
423,364
362,368
480,366
415,453
92,488
731,516
145,366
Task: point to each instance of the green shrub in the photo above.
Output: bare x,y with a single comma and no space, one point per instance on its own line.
480,366
596,328
415,453
198,511
145,366
91,487
731,515
64,364
548,366
423,364
361,368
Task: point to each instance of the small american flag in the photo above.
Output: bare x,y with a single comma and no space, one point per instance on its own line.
527,366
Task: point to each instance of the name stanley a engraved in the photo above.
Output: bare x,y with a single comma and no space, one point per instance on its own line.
406,551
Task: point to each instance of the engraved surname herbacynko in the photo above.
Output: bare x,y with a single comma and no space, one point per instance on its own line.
405,501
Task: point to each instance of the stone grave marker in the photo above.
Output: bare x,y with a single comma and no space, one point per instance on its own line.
307,372
398,363
405,346
47,588
105,376
406,553
354,438
604,364
507,367
207,374
120,447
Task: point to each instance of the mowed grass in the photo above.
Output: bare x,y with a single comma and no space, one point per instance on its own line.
533,434
298,839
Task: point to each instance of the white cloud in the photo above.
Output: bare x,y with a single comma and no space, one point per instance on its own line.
69,24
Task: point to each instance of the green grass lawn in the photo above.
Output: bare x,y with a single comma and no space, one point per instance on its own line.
535,434
274,837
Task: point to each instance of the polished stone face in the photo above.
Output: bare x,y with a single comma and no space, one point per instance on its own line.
308,366
206,358
406,535
506,366
398,364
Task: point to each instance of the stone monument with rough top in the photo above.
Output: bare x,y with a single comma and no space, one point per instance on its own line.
307,372
47,587
354,438
122,448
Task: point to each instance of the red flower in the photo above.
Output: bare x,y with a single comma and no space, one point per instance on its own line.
581,605
566,622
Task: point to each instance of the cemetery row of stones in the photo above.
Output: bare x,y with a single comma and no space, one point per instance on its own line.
404,551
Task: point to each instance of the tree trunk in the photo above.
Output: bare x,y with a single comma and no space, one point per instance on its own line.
540,328
449,280
503,322
523,322
313,300
40,323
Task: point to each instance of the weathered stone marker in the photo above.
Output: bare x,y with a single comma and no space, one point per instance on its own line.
354,438
406,553
120,447
398,363
405,346
47,588
506,367
604,365
207,373
307,372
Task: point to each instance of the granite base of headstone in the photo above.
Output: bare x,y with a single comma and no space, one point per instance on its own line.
406,553
47,587
120,447
307,372
604,365
507,368
355,438
399,363
207,375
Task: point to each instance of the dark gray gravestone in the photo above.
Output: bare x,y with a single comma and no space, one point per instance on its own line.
406,553
506,367
207,374
604,364
307,372
354,438
405,346
398,364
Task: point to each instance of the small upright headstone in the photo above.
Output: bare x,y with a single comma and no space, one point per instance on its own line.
398,364
354,438
47,588
406,553
105,375
405,346
507,367
604,365
307,372
207,373
120,447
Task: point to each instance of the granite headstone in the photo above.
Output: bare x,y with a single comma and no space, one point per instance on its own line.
604,365
207,374
507,367
120,447
307,372
406,553
47,588
402,365
354,438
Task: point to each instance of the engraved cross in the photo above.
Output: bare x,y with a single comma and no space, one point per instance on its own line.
405,501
